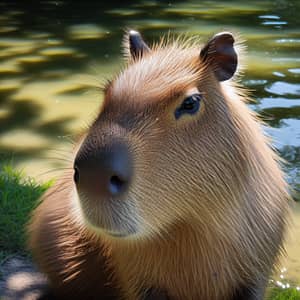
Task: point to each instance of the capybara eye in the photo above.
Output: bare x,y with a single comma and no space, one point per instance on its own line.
190,106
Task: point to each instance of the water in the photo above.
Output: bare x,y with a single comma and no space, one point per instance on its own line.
45,49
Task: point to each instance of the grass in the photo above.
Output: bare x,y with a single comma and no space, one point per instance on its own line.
19,195
279,293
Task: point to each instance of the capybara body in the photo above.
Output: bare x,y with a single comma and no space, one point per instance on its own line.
176,192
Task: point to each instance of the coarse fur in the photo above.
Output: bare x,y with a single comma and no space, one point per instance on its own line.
208,201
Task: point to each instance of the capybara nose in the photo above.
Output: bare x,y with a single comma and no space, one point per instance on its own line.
104,172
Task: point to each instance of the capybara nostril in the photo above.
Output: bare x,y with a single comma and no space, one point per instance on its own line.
117,185
76,175
103,172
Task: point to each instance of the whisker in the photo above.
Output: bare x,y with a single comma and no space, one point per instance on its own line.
58,190
55,170
60,159
61,150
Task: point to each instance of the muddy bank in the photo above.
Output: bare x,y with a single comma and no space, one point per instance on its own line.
19,279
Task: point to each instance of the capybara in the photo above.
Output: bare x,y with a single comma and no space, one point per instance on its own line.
175,191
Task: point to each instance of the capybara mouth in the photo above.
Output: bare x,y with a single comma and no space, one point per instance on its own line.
115,218
112,228
118,234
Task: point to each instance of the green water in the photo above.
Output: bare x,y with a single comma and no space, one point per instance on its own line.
46,48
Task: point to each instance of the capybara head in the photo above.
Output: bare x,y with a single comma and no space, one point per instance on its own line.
174,142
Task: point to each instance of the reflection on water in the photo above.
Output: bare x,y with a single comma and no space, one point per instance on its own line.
44,49
281,88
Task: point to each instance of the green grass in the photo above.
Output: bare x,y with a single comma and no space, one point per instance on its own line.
278,293
18,196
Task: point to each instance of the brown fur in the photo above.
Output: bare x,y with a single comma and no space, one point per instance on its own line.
208,196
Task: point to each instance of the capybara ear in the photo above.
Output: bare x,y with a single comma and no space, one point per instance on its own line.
135,44
219,53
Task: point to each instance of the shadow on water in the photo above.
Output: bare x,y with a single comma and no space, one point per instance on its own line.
25,115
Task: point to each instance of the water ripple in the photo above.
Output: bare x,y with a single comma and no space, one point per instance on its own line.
283,88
